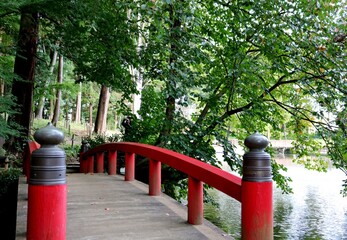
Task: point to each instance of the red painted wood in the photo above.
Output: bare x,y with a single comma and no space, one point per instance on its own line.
257,210
100,162
195,201
154,178
32,146
46,212
83,164
129,166
112,162
256,197
90,163
213,176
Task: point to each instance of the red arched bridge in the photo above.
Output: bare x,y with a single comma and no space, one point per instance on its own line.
253,191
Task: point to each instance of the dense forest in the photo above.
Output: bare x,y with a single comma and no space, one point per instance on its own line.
189,74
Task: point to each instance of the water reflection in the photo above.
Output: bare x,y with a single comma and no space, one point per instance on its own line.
316,210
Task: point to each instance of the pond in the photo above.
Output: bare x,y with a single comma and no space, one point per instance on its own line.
316,210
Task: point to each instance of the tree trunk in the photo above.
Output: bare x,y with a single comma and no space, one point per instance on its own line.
51,106
170,100
58,96
138,78
24,67
137,73
2,87
115,120
101,116
90,124
39,109
78,106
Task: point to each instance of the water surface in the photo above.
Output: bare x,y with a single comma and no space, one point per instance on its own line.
316,210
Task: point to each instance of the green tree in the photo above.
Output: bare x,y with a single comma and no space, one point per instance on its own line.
248,62
86,34
244,65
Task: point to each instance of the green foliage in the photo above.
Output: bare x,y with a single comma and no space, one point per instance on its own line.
2,152
274,66
212,214
7,177
282,181
247,66
7,106
8,32
104,49
71,151
96,140
308,152
146,129
336,143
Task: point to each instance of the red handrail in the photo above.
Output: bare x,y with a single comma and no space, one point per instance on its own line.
213,176
198,172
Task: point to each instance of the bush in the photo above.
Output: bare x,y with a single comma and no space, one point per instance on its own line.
101,139
7,177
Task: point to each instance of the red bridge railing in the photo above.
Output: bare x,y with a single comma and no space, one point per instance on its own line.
253,190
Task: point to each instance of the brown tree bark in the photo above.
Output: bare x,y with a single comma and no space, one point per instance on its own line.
24,67
101,116
58,96
39,109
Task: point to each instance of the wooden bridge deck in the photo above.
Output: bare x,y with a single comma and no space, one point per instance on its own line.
106,207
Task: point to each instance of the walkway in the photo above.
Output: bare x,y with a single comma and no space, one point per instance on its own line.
107,207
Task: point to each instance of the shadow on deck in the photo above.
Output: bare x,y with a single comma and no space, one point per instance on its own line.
107,207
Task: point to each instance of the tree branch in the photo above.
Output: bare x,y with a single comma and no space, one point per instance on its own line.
299,110
250,104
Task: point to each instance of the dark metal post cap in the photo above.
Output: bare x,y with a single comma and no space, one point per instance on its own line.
256,141
48,165
49,135
257,162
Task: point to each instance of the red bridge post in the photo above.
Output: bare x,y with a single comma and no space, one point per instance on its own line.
154,177
112,162
90,164
195,201
100,162
47,194
256,191
129,166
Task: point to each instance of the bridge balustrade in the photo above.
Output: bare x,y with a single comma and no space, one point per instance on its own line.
253,191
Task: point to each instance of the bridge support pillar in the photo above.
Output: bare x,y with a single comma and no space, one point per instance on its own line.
47,193
195,201
129,166
100,162
256,191
112,162
154,178
90,164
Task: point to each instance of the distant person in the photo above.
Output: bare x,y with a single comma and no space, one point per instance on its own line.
126,123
